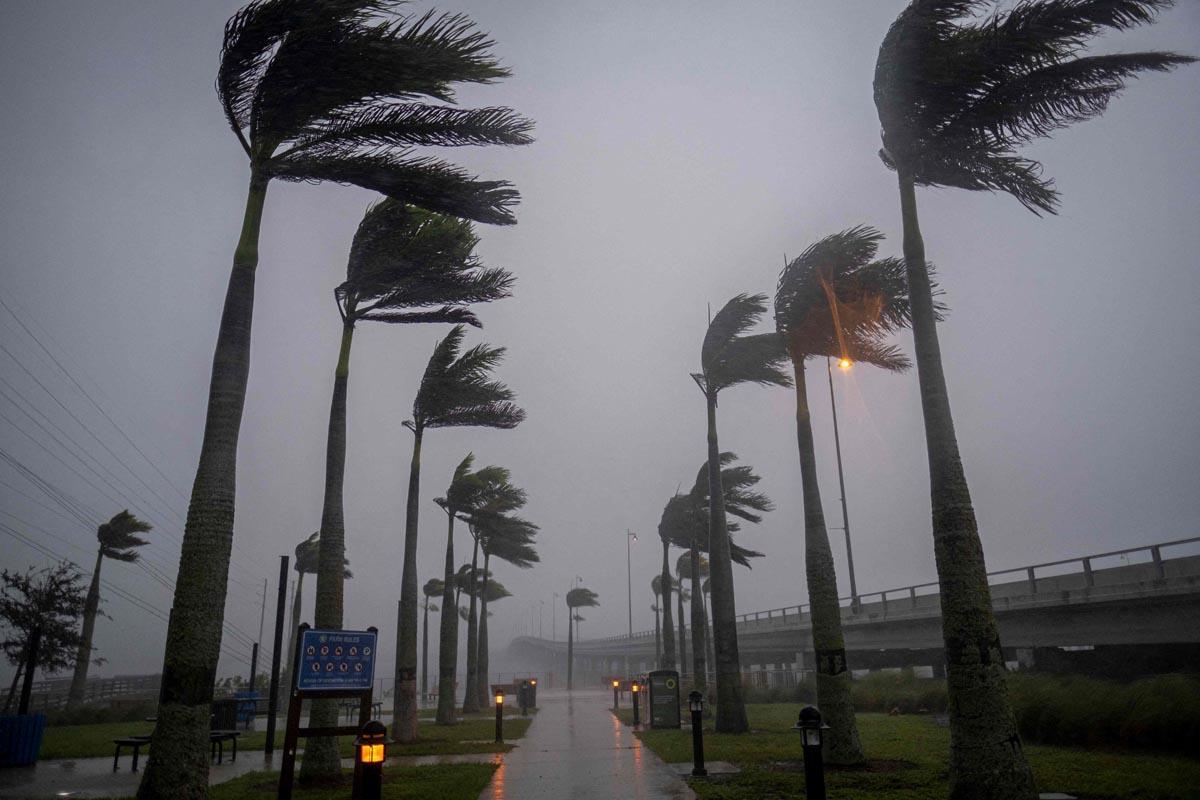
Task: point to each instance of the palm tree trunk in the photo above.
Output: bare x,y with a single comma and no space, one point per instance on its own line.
731,709
83,657
448,637
712,658
657,633
425,652
841,743
986,760
471,695
699,672
570,649
668,658
321,757
683,659
178,762
404,726
482,688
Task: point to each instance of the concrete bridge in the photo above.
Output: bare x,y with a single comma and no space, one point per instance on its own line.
1120,613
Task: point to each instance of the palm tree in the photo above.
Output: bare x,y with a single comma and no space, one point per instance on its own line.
690,569
579,597
468,491
730,357
321,91
835,301
406,265
119,541
656,588
509,539
456,391
957,96
665,524
432,588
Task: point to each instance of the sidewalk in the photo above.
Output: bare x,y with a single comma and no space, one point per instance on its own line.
577,750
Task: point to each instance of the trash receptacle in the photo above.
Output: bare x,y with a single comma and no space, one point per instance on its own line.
21,739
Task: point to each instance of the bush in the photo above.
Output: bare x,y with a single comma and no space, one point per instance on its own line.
903,690
99,713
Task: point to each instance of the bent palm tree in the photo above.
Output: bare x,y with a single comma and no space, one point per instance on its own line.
456,391
835,301
509,539
579,597
665,523
432,588
957,96
730,357
119,541
314,91
406,265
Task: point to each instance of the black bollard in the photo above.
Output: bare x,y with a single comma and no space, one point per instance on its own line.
499,717
809,726
696,705
370,751
635,695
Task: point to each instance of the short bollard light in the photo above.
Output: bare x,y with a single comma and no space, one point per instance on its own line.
810,728
696,706
499,717
616,688
370,751
635,694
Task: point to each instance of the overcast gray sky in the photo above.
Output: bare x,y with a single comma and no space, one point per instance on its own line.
682,150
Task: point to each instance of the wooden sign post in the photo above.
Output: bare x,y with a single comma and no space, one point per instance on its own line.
329,665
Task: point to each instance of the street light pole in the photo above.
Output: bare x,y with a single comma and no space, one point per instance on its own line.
630,538
844,363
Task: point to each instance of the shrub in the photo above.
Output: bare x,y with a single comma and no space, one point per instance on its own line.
98,713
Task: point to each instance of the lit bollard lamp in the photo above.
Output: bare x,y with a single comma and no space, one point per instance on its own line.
499,717
809,727
635,695
696,706
370,751
616,688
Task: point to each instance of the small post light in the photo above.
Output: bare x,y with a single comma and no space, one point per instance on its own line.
533,692
370,751
810,729
635,690
616,689
696,706
499,717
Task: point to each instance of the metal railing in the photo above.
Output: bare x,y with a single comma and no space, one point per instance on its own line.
911,591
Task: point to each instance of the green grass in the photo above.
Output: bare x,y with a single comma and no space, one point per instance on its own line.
909,761
443,781
473,735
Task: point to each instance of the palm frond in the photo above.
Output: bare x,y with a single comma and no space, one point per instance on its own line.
755,359
581,597
416,124
118,537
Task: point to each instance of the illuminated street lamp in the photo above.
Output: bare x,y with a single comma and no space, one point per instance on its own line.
499,717
844,364
630,538
616,688
634,690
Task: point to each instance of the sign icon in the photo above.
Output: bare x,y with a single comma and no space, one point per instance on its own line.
366,651
324,649
337,651
358,667
353,651
316,667
344,666
311,650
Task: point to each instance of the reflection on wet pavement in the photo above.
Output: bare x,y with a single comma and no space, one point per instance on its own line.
577,750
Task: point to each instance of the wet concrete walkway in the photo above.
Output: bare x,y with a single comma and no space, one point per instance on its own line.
577,750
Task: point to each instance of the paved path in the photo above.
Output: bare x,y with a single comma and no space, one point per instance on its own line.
577,750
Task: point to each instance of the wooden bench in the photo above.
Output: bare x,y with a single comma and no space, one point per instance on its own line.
217,740
135,742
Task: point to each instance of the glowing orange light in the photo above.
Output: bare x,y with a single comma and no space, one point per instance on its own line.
614,684
533,682
634,688
371,753
844,363
499,699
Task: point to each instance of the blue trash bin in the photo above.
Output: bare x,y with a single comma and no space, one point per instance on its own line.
21,739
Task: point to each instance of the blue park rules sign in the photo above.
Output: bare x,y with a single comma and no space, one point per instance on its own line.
336,661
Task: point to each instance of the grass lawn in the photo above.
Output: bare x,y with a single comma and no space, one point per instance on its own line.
473,735
909,755
444,781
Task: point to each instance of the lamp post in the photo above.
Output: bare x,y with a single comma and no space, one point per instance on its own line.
809,727
696,706
630,538
843,364
635,695
499,717
616,688
370,751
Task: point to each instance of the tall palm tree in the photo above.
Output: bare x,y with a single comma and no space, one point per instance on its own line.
456,391
665,525
729,357
119,541
490,591
406,265
579,597
432,588
835,301
690,566
313,91
468,491
509,539
957,97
